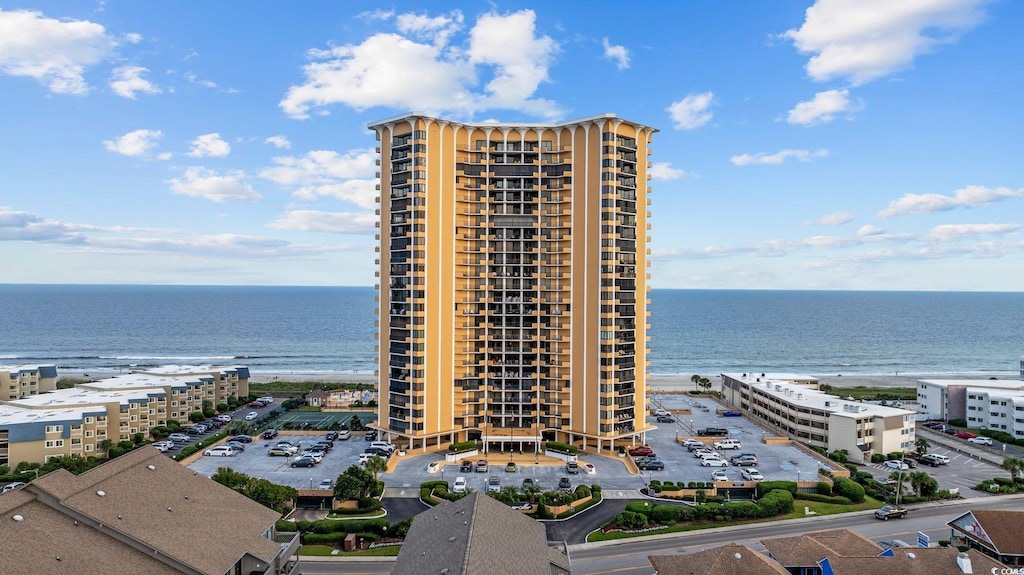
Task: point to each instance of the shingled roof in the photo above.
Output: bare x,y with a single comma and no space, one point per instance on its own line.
915,561
725,560
807,550
1002,529
148,501
477,534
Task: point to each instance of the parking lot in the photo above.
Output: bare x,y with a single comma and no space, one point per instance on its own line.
775,462
255,461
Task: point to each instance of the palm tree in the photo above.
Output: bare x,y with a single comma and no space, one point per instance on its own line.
375,465
916,479
921,446
696,381
706,384
1014,465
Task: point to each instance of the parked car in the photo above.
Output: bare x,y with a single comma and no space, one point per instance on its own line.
564,484
323,445
739,456
572,468
493,484
642,450
732,414
896,464
751,474
332,435
364,457
964,435
651,465
179,437
714,462
236,445
934,459
286,451
251,416
270,434
481,466
980,440
256,404
344,435
221,451
529,482
371,435
266,399
510,467
719,476
163,446
460,485
665,419
661,412
326,484
378,451
224,418
12,486
703,452
303,461
691,442
315,455
710,431
466,466
728,444
242,438
949,430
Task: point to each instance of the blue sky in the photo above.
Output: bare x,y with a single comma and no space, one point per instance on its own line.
833,144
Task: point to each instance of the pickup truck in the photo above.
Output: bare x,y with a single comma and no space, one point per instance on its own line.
888,511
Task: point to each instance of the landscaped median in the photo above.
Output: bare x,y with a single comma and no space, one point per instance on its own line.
531,501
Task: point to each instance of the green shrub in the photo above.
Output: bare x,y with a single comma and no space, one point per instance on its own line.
839,500
582,491
894,455
849,489
958,422
824,488
877,457
630,520
462,446
776,502
561,447
764,487
285,526
839,456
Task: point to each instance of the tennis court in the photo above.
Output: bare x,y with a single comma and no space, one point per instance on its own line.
319,420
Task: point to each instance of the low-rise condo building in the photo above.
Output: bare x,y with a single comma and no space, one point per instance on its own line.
17,381
795,406
951,399
77,421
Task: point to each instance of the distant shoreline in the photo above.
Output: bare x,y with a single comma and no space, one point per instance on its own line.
656,382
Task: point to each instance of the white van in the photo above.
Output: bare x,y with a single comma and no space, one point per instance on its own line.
934,459
221,451
728,444
383,445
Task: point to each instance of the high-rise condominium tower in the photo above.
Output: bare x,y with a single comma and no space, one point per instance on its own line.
513,294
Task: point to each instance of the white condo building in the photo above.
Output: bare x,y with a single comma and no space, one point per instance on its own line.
793,405
996,404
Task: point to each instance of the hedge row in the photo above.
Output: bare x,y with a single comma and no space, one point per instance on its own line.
817,497
639,513
561,447
462,446
764,487
378,526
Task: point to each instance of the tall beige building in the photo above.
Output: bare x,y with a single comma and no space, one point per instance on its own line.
513,294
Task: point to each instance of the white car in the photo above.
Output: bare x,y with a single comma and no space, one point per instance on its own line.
981,440
896,464
251,416
224,417
728,444
364,457
714,462
460,485
752,474
316,456
221,451
660,412
163,446
719,476
266,399
434,467
326,484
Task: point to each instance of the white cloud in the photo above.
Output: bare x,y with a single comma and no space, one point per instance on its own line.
23,226
833,219
869,230
164,156
325,173
209,185
380,70
615,52
377,14
133,37
823,108
952,232
692,111
127,81
193,79
863,40
54,52
136,143
665,171
209,145
967,197
762,158
438,29
331,222
279,142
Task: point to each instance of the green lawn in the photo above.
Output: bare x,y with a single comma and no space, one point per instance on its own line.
798,512
328,551
876,393
301,386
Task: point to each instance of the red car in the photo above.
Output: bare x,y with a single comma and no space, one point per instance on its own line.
964,435
638,451
257,404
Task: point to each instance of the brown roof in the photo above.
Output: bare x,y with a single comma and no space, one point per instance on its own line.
161,504
726,560
48,541
1003,529
476,534
806,550
914,561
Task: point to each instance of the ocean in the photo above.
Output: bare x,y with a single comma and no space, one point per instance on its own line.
330,330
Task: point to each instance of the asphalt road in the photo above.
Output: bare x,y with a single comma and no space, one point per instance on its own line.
629,557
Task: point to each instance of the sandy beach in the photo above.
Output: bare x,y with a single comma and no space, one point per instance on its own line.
657,382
